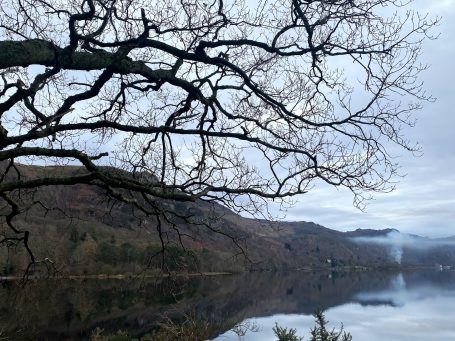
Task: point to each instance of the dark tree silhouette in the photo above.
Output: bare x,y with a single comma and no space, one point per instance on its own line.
235,102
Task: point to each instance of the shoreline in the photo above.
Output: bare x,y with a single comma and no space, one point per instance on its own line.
117,276
213,274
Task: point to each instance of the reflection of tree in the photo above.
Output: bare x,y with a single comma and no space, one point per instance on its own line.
72,306
84,306
58,309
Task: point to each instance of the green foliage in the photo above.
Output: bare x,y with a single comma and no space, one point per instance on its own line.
193,328
112,254
176,258
283,334
129,253
173,258
318,333
108,253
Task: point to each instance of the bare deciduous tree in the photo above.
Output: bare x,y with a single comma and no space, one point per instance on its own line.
235,102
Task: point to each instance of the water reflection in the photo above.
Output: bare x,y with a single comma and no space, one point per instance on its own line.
413,306
372,305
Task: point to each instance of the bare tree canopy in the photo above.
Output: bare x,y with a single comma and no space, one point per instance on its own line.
227,101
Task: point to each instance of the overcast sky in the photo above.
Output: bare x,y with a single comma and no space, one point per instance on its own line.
424,202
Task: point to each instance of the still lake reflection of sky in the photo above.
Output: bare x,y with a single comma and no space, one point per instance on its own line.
421,311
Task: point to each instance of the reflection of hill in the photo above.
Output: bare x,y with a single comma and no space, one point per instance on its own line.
62,309
410,287
444,280
71,309
378,302
265,294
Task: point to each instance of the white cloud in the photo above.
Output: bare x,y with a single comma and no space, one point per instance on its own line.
425,199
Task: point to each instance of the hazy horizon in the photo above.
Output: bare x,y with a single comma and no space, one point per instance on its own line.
424,199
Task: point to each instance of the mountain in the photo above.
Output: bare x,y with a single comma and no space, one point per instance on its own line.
78,230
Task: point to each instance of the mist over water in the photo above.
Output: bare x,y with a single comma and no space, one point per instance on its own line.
398,283
396,252
395,242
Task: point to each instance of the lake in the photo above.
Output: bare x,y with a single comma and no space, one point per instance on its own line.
379,305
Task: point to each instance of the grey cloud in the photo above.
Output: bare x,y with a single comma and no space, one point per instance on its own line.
424,201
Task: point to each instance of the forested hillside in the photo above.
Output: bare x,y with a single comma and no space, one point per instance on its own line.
79,230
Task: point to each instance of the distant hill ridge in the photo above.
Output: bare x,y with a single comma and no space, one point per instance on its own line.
87,234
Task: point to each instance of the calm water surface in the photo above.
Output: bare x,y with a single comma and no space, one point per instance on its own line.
419,306
411,305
